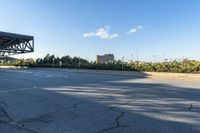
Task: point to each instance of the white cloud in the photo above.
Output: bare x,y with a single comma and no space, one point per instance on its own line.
114,35
135,29
88,34
102,33
140,27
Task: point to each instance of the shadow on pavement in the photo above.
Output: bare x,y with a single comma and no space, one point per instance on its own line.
62,101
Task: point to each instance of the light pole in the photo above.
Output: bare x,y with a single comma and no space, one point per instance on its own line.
137,51
132,58
137,55
88,58
163,57
154,58
79,63
60,63
122,63
53,60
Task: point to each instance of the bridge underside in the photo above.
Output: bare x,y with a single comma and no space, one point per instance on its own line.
11,43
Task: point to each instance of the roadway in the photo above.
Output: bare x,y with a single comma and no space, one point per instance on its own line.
65,101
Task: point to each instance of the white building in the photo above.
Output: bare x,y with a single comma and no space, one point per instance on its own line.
106,58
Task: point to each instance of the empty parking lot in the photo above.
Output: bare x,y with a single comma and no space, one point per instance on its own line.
65,101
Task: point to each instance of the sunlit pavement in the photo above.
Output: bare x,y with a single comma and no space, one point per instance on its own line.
62,101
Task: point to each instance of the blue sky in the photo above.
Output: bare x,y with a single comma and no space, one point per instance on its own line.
79,27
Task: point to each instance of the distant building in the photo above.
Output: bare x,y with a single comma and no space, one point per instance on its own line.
106,58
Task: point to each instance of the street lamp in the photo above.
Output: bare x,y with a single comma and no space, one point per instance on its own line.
154,58
122,63
53,60
79,63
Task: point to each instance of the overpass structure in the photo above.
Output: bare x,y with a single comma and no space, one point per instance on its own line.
11,43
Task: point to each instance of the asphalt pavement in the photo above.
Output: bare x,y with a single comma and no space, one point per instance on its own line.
65,101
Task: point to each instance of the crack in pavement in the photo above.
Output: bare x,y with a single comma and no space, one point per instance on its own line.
194,108
14,124
117,119
3,103
118,125
6,119
44,118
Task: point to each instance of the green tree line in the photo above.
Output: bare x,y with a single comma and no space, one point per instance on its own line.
179,66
